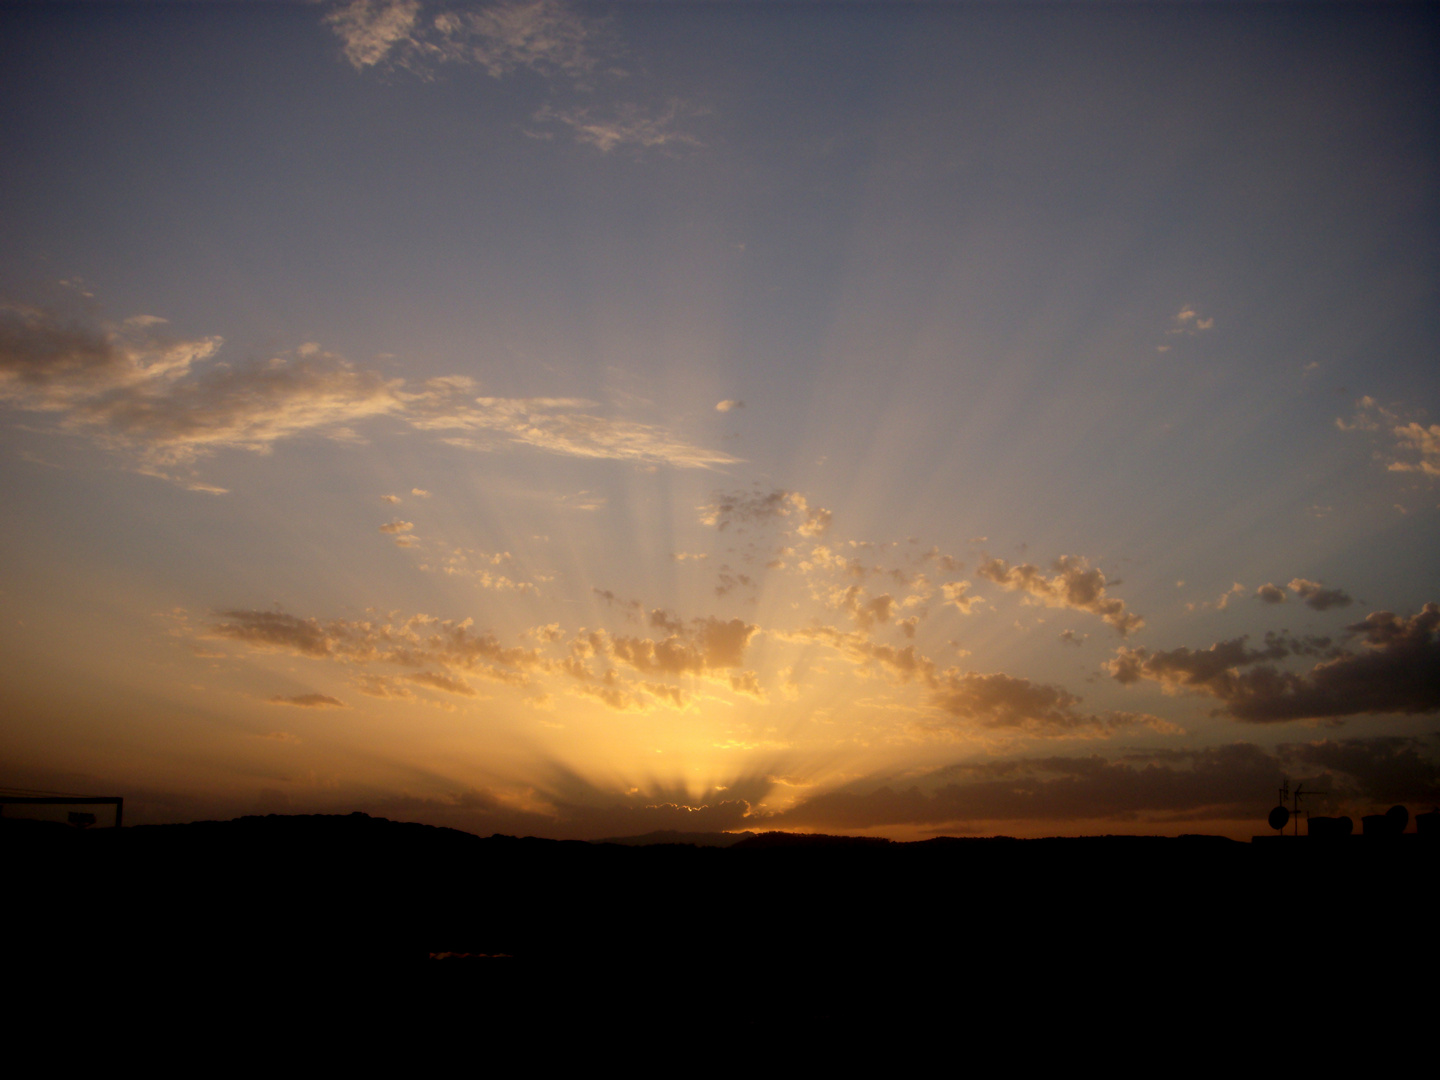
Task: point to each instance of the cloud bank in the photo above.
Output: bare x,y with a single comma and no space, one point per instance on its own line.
1395,669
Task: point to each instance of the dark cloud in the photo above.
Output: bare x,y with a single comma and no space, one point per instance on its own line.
1237,781
1234,782
1270,593
1380,769
1003,702
1318,597
1396,669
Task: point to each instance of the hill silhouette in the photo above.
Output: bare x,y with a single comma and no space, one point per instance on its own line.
844,923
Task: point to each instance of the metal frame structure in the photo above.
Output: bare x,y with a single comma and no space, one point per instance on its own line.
62,800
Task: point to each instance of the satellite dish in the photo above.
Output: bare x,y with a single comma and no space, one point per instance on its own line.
1398,817
1278,818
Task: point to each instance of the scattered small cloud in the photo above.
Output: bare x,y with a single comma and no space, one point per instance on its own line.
1190,322
1270,593
728,405
397,526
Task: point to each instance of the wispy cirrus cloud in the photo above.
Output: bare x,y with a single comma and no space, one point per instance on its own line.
370,30
164,402
557,425
308,701
420,642
547,38
631,125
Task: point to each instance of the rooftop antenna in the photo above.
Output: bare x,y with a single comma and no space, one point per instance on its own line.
1282,815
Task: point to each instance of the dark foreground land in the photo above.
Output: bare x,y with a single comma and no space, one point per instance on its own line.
809,926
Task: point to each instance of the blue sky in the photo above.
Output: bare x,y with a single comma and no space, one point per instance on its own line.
567,418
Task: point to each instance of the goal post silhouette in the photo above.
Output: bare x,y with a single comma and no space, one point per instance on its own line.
77,810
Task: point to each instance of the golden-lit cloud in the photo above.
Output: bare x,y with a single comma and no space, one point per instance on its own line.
441,655
1415,447
420,641
543,36
759,508
709,644
1422,442
1076,585
370,29
956,595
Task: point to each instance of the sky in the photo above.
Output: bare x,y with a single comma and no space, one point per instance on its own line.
584,419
